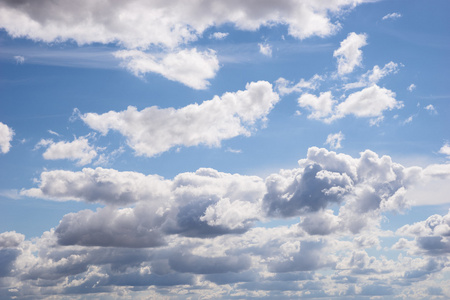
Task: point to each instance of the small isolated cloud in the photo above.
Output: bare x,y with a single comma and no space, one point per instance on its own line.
392,16
218,35
445,149
53,132
6,136
373,76
190,67
79,150
431,109
285,87
234,150
320,107
349,54
153,130
408,120
19,59
334,140
412,87
265,49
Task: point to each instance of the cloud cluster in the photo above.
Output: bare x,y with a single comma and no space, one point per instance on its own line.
197,232
370,102
154,130
349,54
373,76
6,136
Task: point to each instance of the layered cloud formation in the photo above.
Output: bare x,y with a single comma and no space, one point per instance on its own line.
200,229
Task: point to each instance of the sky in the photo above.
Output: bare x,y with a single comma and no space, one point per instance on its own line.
215,149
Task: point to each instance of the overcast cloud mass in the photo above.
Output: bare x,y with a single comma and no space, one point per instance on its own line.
208,149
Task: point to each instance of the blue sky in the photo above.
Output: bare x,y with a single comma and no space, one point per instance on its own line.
224,149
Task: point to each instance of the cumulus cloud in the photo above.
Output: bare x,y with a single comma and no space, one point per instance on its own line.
445,149
349,54
285,87
370,102
392,16
154,130
334,140
78,150
6,136
373,76
431,109
139,24
191,67
265,49
412,87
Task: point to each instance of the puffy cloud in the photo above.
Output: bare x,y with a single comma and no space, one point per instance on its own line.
373,76
334,140
285,87
392,16
431,236
349,54
412,87
431,109
191,67
265,49
139,24
79,150
100,185
11,239
321,106
370,102
153,130
6,136
445,149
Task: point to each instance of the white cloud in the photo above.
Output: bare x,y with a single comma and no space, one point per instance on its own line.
392,16
412,87
431,109
190,67
153,130
19,59
140,24
445,149
79,150
6,136
370,102
321,106
219,35
349,54
408,120
334,140
265,49
285,87
373,76
54,133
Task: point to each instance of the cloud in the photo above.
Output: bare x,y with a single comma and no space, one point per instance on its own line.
373,76
11,239
154,130
392,16
79,150
334,140
349,54
19,59
265,49
140,24
6,136
219,35
431,109
412,87
286,87
190,67
370,102
445,149
320,107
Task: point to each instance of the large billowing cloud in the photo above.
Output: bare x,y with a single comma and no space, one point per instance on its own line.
154,130
6,136
138,24
198,229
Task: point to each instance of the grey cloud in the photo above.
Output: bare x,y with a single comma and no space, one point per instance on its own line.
7,258
11,239
189,263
